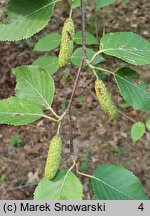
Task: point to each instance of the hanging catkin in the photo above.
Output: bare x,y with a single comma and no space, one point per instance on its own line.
67,37
105,99
53,157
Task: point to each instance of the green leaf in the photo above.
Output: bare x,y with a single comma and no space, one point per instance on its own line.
16,111
49,63
48,42
77,55
127,46
137,131
76,3
34,83
116,183
133,89
122,104
148,124
90,39
101,75
65,186
25,18
103,3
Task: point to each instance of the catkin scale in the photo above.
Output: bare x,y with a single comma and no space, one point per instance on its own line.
66,47
105,99
53,158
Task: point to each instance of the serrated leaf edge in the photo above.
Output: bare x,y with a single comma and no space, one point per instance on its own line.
38,29
93,177
35,66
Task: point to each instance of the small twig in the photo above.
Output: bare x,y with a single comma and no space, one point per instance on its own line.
129,118
50,118
80,173
102,69
58,128
93,57
68,110
75,85
91,92
83,31
83,55
20,187
8,160
70,104
83,174
63,115
78,75
55,114
70,14
71,134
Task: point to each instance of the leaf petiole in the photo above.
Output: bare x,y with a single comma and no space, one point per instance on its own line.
94,56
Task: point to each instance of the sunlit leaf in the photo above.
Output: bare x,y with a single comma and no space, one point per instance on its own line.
65,186
34,83
116,183
49,63
25,18
127,46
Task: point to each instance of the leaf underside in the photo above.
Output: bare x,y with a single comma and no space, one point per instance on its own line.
48,42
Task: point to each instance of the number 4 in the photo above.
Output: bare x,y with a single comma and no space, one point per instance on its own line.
141,207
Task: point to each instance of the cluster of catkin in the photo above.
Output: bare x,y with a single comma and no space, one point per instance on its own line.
53,157
105,99
67,38
102,93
